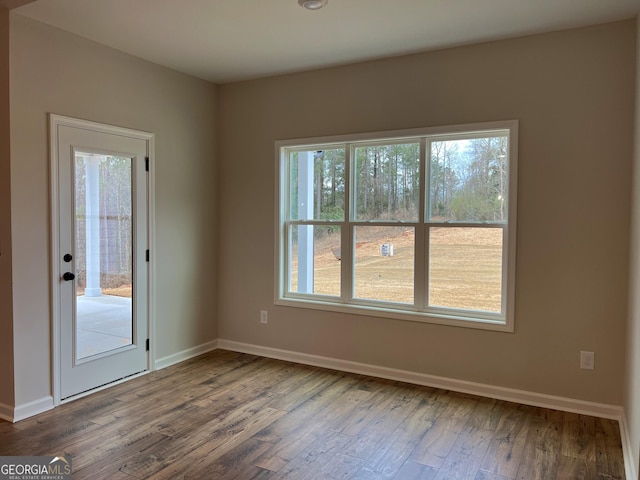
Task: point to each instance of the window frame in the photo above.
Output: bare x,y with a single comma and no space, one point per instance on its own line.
420,311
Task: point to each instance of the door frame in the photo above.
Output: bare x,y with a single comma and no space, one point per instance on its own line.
56,121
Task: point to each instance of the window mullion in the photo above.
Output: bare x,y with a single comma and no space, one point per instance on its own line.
346,262
505,270
284,217
288,237
421,245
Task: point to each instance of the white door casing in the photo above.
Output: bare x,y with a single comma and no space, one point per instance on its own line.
74,374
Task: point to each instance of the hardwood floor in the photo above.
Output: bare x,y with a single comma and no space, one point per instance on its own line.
227,415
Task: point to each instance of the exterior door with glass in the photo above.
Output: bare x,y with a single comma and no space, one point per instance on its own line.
101,253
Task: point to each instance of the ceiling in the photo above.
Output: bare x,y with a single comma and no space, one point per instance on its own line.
230,40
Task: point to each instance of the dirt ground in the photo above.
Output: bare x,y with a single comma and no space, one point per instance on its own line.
122,291
465,267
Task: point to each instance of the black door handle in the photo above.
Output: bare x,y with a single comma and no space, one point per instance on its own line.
67,258
68,276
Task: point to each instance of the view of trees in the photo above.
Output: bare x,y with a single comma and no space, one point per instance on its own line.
454,184
468,181
387,185
115,220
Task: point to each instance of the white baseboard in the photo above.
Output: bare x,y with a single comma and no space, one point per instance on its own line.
30,409
630,467
484,390
615,412
185,355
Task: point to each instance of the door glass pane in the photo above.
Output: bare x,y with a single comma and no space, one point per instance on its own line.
103,254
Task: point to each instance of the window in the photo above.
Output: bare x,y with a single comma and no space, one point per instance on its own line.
415,225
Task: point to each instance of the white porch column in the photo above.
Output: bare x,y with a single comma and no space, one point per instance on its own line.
93,226
305,212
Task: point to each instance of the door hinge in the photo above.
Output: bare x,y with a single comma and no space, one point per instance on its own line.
147,344
146,255
146,163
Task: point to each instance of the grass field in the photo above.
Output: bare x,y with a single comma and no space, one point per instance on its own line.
120,291
465,267
464,272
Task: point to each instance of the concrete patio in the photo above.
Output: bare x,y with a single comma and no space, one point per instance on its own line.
104,323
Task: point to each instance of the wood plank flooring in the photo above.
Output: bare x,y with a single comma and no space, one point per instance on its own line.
226,415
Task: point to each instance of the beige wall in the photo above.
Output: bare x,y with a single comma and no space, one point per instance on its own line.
632,381
6,309
53,71
572,92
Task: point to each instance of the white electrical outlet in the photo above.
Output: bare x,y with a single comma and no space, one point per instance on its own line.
264,317
587,360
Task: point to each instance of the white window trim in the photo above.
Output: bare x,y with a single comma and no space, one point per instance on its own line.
380,309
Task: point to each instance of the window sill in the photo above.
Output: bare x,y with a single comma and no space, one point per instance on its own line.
396,314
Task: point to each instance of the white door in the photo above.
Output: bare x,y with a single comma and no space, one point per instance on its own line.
100,264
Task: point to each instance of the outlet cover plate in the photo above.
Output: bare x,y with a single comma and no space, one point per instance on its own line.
587,360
